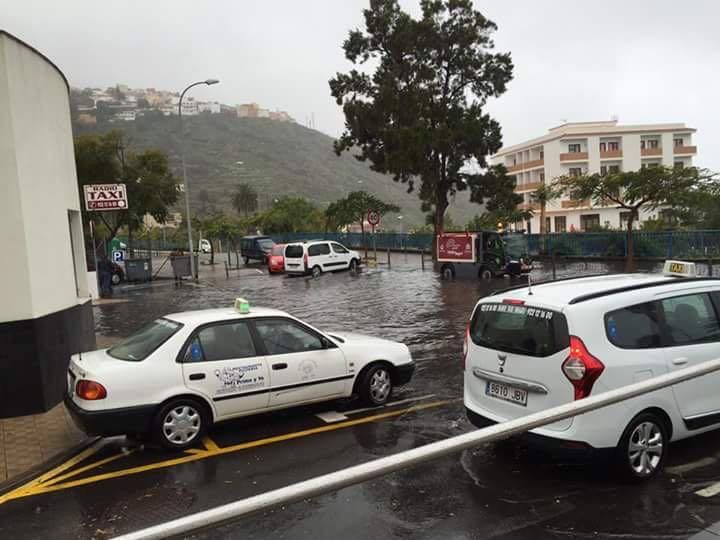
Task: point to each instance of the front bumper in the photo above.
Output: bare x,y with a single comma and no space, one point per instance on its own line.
402,374
106,423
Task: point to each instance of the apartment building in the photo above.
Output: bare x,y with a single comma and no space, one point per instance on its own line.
591,147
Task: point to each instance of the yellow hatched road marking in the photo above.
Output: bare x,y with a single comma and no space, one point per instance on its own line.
210,444
88,467
37,489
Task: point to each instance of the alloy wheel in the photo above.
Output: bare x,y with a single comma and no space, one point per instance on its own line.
645,448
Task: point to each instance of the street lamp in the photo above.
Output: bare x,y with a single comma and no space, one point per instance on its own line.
186,189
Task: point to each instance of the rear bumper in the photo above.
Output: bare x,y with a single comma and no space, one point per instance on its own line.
403,374
128,420
542,442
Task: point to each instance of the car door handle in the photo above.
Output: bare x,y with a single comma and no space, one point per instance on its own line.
279,366
196,376
680,361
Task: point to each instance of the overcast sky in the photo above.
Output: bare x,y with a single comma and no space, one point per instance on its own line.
577,61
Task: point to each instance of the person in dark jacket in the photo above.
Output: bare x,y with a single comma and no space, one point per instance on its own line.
105,271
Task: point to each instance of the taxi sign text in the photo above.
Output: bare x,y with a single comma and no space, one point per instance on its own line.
103,197
680,268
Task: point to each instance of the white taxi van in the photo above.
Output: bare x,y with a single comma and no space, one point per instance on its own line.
185,371
529,349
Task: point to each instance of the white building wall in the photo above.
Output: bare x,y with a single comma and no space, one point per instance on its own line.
39,192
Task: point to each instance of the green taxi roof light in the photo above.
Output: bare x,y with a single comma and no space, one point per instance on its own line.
242,306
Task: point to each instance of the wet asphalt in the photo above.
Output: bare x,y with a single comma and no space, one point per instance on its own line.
505,490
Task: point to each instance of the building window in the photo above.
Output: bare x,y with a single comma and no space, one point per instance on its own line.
614,169
678,142
652,143
542,176
589,221
642,145
624,217
542,154
560,224
603,147
679,164
547,225
575,171
574,148
603,170
528,224
614,146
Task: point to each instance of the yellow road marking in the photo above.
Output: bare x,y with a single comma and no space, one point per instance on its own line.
220,451
210,444
91,466
194,451
89,451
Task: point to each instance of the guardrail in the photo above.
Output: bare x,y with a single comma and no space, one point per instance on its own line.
360,473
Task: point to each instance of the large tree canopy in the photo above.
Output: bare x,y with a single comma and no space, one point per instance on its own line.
419,115
354,209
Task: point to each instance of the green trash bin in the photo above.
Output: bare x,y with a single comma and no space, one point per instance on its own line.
139,269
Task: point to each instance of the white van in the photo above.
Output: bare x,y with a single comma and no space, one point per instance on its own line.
318,256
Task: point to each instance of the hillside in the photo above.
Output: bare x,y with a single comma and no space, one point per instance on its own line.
277,158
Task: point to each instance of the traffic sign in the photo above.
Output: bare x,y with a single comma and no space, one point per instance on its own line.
373,218
104,197
118,256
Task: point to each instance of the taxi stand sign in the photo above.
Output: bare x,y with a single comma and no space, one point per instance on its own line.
242,306
105,197
680,269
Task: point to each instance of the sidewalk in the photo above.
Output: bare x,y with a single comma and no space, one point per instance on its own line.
29,441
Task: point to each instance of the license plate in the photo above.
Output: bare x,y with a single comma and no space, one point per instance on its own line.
507,393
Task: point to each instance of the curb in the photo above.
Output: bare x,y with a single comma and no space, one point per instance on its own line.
52,462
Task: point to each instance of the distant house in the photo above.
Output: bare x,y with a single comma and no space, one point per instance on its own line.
124,116
189,107
212,107
248,110
263,113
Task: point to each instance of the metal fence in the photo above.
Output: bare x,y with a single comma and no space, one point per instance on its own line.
360,473
678,244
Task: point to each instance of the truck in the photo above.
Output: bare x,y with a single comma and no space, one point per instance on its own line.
482,254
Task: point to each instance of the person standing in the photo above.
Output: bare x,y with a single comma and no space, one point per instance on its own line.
105,271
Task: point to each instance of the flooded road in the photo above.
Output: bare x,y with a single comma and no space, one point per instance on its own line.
503,490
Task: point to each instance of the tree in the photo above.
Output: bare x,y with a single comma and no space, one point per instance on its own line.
649,188
355,207
420,114
544,194
245,199
291,214
151,187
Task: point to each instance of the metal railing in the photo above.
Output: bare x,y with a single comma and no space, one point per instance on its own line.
360,473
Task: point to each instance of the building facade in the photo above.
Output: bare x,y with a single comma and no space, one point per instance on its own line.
45,309
586,148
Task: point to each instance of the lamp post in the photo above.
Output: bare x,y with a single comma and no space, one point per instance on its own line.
186,189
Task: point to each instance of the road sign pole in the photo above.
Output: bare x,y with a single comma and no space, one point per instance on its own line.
95,261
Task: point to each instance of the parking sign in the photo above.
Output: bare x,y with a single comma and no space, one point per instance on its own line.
118,256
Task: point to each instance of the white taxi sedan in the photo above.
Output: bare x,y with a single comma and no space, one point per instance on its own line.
186,371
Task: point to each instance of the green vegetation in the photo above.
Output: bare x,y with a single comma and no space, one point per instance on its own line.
419,114
684,190
151,187
245,199
354,209
275,158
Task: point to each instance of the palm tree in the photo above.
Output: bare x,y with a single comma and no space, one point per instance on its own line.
245,199
542,196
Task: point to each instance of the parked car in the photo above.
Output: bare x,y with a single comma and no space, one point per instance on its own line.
255,247
204,246
118,274
276,259
318,256
184,372
530,350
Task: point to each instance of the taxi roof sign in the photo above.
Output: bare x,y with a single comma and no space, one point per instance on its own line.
680,269
242,306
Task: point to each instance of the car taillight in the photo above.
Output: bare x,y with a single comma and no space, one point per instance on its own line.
581,368
90,390
305,260
466,346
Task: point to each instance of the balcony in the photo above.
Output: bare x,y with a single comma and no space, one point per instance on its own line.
611,154
575,204
685,150
530,186
574,156
526,165
644,152
535,207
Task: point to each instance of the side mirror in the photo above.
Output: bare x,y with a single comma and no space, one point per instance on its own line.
326,343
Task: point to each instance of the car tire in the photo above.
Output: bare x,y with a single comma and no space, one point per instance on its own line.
485,274
180,424
643,447
316,271
376,385
247,260
353,267
116,279
447,272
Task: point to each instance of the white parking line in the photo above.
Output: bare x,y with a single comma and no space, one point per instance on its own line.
709,491
335,416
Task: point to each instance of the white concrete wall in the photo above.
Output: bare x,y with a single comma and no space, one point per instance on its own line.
39,186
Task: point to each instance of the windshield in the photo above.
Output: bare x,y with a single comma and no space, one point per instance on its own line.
515,245
519,329
278,250
266,243
141,344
